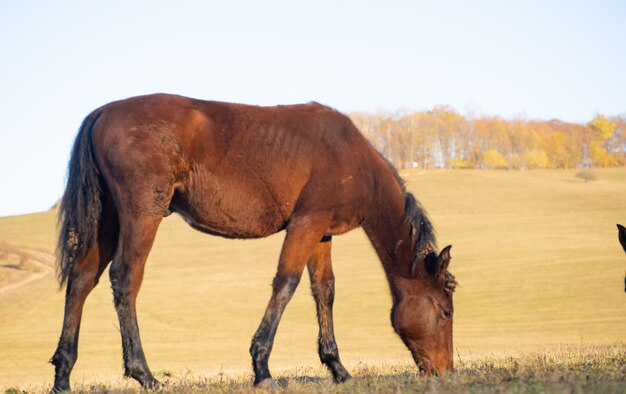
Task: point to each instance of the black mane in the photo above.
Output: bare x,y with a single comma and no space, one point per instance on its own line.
416,215
394,172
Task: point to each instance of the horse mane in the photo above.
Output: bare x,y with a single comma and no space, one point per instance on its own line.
416,216
426,244
393,170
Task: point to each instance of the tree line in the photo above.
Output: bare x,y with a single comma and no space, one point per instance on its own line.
443,138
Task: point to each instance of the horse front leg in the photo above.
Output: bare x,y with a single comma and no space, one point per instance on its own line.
323,290
263,340
303,234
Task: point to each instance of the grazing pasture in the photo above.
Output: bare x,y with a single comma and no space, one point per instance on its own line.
578,369
535,253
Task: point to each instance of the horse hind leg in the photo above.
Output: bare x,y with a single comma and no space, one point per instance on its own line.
323,290
83,277
126,273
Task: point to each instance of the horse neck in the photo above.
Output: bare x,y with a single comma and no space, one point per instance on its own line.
387,228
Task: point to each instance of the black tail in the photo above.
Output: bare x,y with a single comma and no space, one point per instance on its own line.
79,214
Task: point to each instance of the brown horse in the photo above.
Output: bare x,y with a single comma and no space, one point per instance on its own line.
621,235
241,171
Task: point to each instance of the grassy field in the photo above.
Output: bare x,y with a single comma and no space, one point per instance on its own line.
586,369
535,253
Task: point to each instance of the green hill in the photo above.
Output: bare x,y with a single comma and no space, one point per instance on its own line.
535,253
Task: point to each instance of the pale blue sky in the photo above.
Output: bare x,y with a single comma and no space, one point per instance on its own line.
62,59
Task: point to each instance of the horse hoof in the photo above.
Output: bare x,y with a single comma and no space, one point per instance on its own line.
152,385
267,384
342,378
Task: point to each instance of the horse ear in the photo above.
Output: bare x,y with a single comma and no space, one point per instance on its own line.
443,261
437,265
431,263
622,235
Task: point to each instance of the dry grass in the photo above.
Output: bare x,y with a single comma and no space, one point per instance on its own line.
587,369
535,252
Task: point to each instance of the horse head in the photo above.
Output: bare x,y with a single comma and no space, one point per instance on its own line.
423,312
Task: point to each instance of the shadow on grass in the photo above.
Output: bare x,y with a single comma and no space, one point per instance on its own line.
284,382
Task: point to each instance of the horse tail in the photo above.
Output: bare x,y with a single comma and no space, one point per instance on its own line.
81,205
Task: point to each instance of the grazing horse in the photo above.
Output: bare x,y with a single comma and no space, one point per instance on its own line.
621,234
242,171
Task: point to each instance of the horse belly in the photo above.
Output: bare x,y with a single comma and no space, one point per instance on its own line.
230,208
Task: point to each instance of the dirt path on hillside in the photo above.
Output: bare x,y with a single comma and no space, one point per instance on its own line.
44,261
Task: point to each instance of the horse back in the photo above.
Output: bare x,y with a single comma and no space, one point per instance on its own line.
232,169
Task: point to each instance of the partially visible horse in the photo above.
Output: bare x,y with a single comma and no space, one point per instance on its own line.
621,234
241,171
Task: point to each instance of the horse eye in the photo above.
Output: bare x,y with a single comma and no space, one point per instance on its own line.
447,314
